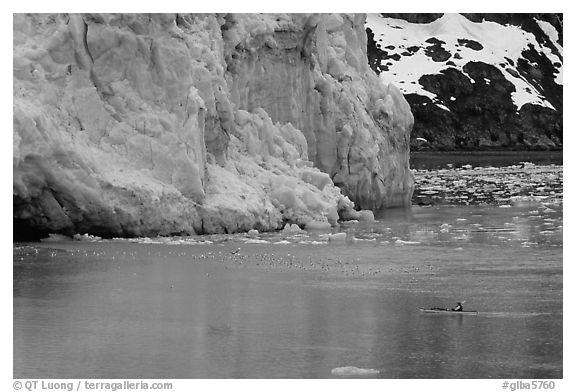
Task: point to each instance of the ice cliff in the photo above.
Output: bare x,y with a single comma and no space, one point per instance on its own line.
133,125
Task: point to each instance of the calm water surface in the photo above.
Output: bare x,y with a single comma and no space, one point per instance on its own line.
298,306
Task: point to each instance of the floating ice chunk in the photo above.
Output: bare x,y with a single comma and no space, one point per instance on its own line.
176,242
353,371
257,241
365,216
55,238
445,228
283,242
142,240
294,228
401,242
253,233
337,237
86,237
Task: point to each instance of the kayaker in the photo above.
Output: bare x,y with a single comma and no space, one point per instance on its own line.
458,308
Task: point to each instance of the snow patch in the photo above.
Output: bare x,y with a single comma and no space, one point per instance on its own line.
552,33
441,106
499,42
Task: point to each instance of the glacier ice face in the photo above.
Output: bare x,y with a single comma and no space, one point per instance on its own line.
139,125
312,72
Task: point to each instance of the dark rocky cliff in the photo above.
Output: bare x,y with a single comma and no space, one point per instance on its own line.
495,80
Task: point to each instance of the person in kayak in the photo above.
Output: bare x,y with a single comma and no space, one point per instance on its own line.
458,308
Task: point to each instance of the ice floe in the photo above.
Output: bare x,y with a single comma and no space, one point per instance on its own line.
354,371
516,184
55,238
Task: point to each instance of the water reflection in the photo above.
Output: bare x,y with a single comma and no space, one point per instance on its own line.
104,310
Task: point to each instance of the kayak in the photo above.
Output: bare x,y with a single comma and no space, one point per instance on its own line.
450,311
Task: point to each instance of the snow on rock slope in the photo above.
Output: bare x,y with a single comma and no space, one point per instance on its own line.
474,81
132,125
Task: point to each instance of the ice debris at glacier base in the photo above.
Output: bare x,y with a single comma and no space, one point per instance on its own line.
515,184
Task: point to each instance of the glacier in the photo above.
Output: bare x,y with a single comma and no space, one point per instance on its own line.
162,124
